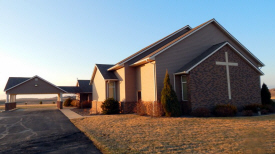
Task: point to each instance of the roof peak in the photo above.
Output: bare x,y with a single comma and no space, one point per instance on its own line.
152,45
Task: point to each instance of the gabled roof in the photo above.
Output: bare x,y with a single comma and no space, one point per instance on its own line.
206,54
71,89
154,46
15,82
177,40
85,86
103,70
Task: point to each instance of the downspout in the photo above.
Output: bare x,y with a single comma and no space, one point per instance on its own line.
107,92
174,82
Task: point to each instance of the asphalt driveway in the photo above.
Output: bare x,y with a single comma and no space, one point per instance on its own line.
41,131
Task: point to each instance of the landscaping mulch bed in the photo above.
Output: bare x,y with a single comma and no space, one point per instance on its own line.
129,133
83,112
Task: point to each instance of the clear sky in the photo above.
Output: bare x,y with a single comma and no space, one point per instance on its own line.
61,40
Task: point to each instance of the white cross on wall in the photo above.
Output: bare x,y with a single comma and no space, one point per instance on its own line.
227,64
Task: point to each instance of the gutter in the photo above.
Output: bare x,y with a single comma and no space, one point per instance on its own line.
117,66
143,61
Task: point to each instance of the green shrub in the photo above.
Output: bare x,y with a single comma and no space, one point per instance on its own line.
247,112
53,102
266,96
264,111
227,110
67,102
40,102
253,107
169,99
269,108
201,112
110,106
84,104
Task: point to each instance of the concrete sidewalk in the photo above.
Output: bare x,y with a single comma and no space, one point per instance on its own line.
70,114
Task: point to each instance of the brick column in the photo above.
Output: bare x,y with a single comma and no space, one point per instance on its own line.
59,104
10,106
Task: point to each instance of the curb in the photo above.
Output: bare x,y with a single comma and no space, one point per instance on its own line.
9,110
13,109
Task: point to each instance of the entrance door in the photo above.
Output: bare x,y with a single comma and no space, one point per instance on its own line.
139,96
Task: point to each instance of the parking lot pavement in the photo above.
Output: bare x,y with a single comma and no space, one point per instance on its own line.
41,131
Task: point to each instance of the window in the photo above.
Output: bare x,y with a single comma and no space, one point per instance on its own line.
184,87
111,86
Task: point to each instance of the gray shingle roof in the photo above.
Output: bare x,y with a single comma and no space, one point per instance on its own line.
13,81
160,43
106,74
85,86
71,89
193,62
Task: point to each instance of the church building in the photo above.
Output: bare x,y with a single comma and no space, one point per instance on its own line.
206,64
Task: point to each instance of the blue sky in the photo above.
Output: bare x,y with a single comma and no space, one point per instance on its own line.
62,40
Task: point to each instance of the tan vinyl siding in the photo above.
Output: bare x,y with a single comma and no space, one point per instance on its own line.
120,73
130,83
145,81
29,88
180,54
99,91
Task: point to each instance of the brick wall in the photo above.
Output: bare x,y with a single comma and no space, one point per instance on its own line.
96,107
128,107
207,83
10,106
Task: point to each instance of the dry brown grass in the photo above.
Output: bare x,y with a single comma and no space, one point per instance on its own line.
31,106
137,134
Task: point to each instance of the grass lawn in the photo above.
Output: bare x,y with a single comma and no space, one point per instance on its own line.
131,133
2,107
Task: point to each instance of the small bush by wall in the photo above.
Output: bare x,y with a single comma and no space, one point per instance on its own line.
74,102
227,110
247,112
253,107
67,102
150,108
269,108
159,111
201,112
264,111
110,106
142,108
84,104
40,102
128,107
